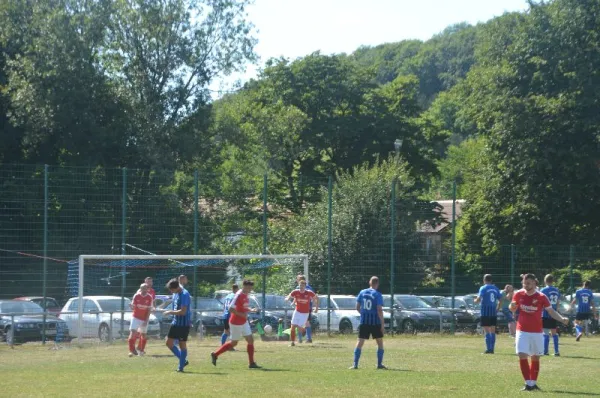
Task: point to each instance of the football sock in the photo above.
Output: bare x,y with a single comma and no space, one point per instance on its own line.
299,335
176,352
308,333
379,357
488,341
251,353
579,329
356,356
555,338
493,342
182,358
293,334
131,342
223,348
534,370
223,338
546,343
524,364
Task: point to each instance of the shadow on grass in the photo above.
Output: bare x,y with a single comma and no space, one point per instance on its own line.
587,394
161,356
579,357
191,372
271,370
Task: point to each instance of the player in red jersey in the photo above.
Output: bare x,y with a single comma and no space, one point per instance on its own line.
530,336
149,283
302,298
238,325
142,305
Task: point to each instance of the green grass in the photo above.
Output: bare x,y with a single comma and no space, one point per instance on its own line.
425,365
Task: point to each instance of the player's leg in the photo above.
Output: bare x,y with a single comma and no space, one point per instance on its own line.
554,333
486,323
293,335
362,336
183,351
142,344
250,348
308,329
171,343
494,321
522,348
225,334
377,334
235,332
131,342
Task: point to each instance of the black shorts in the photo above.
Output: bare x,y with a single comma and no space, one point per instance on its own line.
366,331
583,316
549,323
179,332
489,320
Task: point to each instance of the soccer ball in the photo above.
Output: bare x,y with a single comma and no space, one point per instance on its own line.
268,329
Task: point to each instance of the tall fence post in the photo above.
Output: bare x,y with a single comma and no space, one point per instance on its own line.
571,265
123,245
512,265
196,215
44,283
329,249
265,247
392,255
453,253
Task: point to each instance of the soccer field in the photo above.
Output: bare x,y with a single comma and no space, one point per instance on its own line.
423,365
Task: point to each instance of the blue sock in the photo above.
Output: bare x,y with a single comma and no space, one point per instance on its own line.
224,338
176,342
493,343
555,338
488,341
356,356
546,343
379,357
176,351
182,359
579,329
308,333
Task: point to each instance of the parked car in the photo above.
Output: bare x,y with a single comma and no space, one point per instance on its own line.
207,310
51,304
343,318
501,321
466,319
413,314
29,325
278,307
102,317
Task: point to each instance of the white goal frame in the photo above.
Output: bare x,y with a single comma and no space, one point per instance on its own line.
83,257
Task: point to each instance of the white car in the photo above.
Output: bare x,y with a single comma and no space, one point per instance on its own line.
102,317
344,318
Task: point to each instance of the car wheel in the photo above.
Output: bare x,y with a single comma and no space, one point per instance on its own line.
408,326
345,326
104,333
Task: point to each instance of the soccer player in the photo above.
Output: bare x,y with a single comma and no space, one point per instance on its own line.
302,298
548,322
489,296
226,303
183,280
143,339
180,326
142,304
150,283
584,298
308,326
507,295
369,303
530,337
238,325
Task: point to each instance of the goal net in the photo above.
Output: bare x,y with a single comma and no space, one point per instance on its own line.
101,288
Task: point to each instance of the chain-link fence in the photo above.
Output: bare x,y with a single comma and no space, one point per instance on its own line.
50,215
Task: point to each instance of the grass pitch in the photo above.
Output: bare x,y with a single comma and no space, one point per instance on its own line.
423,365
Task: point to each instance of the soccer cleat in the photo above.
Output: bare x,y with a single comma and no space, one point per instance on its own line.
179,370
381,367
488,352
141,353
292,344
213,357
186,363
132,354
578,337
557,354
546,353
254,365
353,367
527,388
535,388
309,341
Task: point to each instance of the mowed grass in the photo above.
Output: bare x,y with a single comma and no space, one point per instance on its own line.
422,365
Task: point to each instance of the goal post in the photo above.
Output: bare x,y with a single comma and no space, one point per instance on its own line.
94,273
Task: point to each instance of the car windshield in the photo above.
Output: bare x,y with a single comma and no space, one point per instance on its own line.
345,303
20,307
470,301
273,302
113,305
411,302
209,305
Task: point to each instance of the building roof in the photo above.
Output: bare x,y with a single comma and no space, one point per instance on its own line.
445,215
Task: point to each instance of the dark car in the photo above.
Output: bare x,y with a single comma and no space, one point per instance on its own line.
205,310
412,314
469,299
28,323
466,319
50,304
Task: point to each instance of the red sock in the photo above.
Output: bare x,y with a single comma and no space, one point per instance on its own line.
524,363
143,343
535,370
131,342
225,347
293,334
251,353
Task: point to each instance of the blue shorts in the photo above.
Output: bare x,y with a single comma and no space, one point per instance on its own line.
508,315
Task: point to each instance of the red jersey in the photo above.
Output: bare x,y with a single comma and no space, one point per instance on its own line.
303,300
240,303
530,310
141,306
152,293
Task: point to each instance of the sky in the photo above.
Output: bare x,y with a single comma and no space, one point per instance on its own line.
293,28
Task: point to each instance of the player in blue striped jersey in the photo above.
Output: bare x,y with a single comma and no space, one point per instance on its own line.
226,304
182,320
584,298
369,303
489,297
549,323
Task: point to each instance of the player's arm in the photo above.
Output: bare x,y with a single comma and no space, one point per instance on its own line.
513,306
556,315
180,312
477,298
241,314
316,303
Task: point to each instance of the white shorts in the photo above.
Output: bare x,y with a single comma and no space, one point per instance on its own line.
529,343
299,318
238,331
138,324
